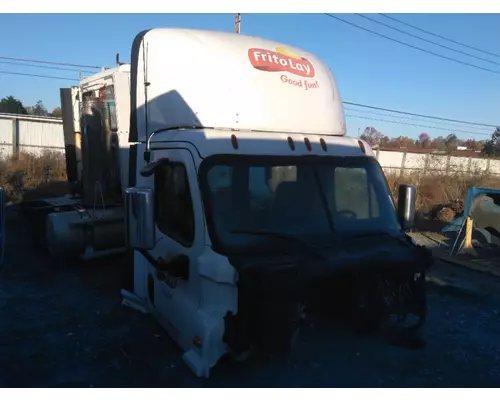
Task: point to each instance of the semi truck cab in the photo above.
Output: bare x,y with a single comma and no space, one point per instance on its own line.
221,162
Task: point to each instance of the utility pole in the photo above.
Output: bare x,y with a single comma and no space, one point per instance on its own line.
237,22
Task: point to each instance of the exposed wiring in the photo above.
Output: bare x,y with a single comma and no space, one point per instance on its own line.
96,186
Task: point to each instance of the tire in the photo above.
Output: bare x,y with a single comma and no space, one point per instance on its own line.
413,335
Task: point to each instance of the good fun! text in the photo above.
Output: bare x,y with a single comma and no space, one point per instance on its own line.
301,84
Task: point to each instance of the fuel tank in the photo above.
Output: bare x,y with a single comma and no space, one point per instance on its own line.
85,233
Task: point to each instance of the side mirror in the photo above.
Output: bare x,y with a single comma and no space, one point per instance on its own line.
140,228
406,206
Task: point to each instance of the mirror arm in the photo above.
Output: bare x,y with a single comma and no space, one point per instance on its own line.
150,169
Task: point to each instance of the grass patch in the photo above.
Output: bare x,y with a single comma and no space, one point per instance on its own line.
441,190
27,172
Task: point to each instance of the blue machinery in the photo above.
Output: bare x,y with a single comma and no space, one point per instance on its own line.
458,225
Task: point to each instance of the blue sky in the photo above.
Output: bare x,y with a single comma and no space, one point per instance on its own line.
369,69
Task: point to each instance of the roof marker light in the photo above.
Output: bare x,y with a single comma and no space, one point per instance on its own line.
322,143
307,143
234,142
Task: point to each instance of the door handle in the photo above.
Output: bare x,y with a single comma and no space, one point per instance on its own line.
177,267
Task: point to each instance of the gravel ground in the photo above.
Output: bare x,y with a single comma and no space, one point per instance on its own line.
65,327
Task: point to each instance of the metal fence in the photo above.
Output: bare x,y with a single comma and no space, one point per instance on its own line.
403,162
35,134
28,133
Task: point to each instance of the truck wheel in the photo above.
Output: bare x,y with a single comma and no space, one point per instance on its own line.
406,319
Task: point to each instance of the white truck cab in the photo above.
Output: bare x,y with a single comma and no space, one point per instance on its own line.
245,204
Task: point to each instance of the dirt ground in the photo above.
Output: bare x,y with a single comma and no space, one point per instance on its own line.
64,326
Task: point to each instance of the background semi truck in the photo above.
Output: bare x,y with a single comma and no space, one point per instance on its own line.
219,165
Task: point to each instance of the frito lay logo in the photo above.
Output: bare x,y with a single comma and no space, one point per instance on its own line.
281,60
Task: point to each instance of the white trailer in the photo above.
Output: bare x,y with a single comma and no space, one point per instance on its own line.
221,162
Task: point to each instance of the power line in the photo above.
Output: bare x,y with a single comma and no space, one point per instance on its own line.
45,67
49,62
419,115
406,117
412,46
38,76
418,125
440,36
345,102
426,40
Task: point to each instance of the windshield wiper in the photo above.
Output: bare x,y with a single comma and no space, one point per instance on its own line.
283,236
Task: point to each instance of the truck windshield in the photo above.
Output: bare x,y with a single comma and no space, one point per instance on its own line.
250,201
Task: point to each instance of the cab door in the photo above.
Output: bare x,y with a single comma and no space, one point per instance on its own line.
173,280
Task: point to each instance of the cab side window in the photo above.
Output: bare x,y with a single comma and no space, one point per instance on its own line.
173,204
111,108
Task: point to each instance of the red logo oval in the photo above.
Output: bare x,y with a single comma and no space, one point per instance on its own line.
273,61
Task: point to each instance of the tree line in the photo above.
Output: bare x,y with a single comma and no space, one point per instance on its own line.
11,105
448,144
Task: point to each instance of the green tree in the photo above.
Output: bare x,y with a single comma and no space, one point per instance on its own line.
424,140
372,136
473,144
451,143
402,142
11,105
56,112
384,142
492,147
438,143
39,109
